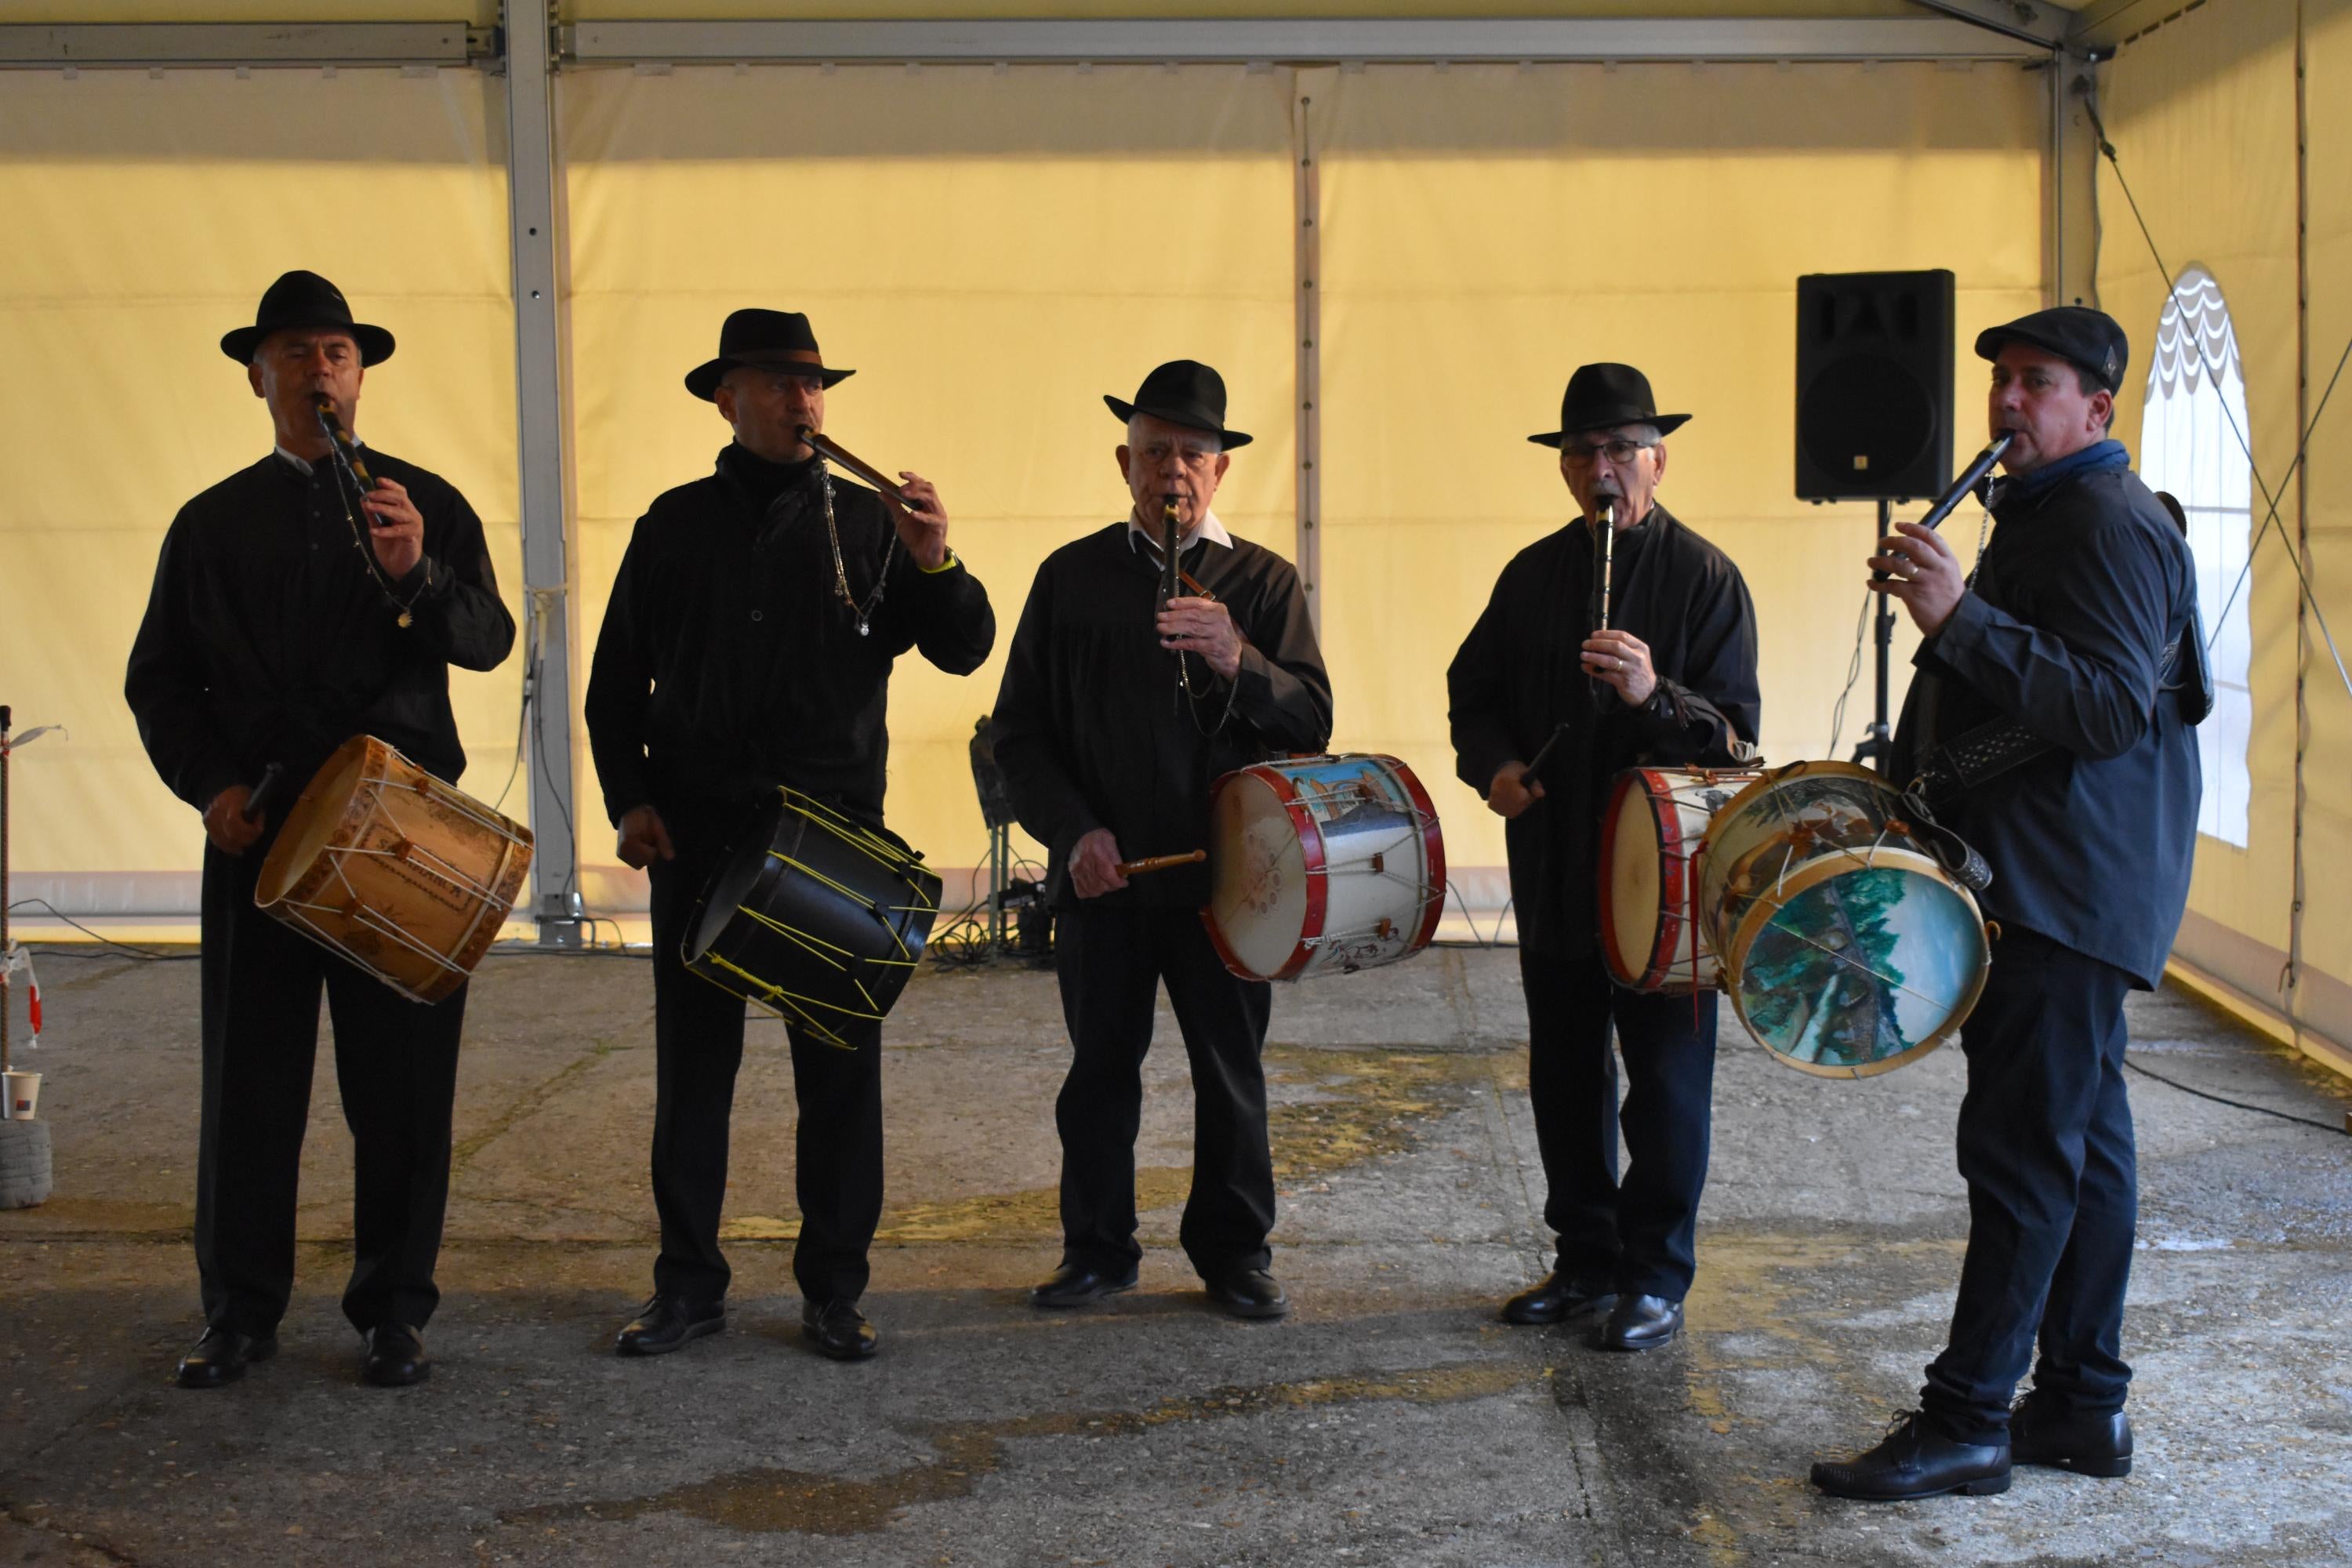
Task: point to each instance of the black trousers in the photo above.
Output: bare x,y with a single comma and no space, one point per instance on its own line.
1638,1237
2045,1145
1112,962
698,1049
396,1064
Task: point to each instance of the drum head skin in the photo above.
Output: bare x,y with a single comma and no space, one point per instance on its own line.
1629,895
315,817
746,862
1862,971
1847,950
1258,888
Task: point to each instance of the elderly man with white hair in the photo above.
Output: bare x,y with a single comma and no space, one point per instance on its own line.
1670,683
1116,714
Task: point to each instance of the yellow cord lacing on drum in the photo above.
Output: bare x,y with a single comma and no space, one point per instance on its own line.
771,995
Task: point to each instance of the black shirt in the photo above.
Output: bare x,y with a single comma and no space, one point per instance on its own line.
267,640
1093,730
728,663
2085,586
1519,674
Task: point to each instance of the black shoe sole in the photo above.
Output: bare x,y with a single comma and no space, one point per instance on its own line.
1062,1303
387,1379
1253,1311
262,1351
642,1347
1605,1341
1987,1486
861,1351
1592,1307
2107,1470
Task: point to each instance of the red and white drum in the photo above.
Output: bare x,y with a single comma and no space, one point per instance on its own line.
1651,936
1322,865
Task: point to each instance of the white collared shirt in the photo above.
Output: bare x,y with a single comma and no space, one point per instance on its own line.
1208,528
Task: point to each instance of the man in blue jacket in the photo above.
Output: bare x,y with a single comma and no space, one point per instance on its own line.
2059,652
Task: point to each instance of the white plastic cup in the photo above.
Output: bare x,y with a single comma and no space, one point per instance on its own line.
23,1092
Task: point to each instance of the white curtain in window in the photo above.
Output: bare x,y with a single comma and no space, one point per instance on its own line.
2193,436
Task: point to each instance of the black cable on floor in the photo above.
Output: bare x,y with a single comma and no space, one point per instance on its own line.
2234,1104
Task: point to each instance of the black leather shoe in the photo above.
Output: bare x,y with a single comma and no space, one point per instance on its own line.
2044,1432
1915,1461
221,1355
395,1357
1559,1300
837,1329
1250,1293
1075,1285
665,1323
1640,1323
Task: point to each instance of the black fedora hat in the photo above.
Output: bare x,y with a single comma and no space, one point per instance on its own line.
1183,392
305,300
2091,341
768,340
1599,396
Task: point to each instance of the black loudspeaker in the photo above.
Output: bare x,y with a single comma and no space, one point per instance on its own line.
1874,385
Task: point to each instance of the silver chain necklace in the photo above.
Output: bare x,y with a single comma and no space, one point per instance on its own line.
865,612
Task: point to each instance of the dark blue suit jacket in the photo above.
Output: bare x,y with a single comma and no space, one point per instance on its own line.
2087,581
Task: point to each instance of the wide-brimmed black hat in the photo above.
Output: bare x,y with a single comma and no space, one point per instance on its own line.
769,340
305,300
1183,392
1602,395
2089,339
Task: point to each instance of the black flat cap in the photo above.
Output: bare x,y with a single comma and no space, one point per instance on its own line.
2091,339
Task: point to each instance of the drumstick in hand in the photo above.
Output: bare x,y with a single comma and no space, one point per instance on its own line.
1160,863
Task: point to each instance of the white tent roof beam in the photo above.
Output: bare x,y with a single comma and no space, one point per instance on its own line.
113,44
1371,40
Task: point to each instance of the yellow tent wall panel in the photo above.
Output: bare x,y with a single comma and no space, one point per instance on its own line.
991,253
2325,998
148,216
1487,229
2203,114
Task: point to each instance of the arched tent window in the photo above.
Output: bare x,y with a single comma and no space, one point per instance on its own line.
2192,443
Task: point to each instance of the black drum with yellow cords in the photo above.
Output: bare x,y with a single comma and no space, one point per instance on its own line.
815,915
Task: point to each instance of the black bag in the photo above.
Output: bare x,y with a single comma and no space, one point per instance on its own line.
2186,672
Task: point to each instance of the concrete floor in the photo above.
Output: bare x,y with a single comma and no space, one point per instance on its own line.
1390,1420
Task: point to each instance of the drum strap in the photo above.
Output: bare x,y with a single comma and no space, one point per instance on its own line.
1954,853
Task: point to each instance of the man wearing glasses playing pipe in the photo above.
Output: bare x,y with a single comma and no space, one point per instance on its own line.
1671,682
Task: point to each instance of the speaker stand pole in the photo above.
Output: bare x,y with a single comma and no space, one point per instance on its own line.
1879,743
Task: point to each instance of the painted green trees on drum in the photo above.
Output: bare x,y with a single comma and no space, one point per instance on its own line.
1822,979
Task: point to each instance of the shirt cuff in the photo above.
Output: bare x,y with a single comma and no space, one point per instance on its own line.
1962,630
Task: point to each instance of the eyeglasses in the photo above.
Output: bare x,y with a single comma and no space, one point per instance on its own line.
1617,452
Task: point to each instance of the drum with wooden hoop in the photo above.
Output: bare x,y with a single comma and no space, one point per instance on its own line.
1846,947
1651,935
815,916
1322,865
405,876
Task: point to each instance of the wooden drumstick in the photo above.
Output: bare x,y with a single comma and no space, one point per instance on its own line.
1160,863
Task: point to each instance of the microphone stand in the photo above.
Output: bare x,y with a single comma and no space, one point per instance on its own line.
1877,743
